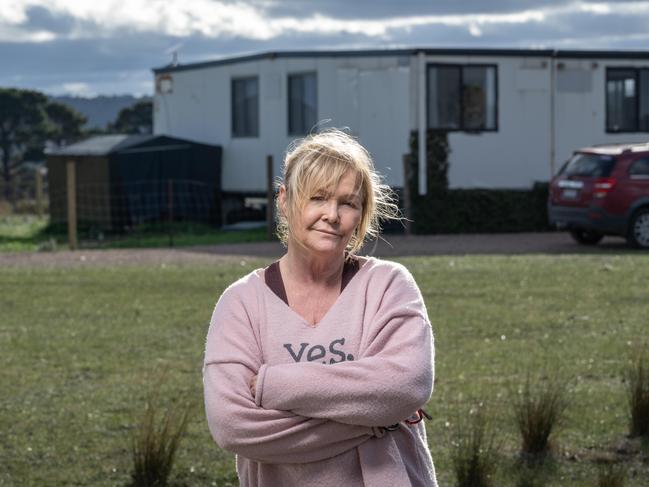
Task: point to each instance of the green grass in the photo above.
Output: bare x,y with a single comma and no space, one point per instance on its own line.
21,233
82,348
26,233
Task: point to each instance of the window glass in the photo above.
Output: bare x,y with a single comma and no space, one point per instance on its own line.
302,103
478,91
245,107
590,165
621,100
640,168
643,101
462,97
444,97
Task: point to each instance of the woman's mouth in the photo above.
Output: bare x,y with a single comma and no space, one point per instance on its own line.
333,234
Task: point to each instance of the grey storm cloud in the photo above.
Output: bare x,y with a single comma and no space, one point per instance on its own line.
53,46
40,18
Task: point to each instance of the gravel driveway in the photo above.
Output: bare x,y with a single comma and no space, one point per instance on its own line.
394,245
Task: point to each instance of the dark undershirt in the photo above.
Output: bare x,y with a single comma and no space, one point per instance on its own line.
273,276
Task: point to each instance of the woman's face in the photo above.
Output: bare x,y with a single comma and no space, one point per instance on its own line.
328,220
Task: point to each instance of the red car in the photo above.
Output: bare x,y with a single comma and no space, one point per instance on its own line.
603,190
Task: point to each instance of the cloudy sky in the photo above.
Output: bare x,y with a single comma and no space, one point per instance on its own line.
89,47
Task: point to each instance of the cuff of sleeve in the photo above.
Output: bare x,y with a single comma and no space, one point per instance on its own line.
261,375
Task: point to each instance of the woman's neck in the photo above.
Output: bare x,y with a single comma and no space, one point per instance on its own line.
303,267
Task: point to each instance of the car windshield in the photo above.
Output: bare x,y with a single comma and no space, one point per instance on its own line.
592,165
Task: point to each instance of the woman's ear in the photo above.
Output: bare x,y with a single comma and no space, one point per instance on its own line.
281,199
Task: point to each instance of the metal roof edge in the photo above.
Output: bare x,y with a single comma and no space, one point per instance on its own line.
593,54
128,142
284,54
459,51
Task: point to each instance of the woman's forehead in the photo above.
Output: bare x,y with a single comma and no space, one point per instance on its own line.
349,183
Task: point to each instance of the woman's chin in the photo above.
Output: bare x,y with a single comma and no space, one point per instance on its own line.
326,247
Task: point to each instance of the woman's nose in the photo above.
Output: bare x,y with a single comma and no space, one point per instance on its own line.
331,212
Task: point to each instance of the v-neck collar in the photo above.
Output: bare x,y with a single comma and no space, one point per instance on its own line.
262,282
273,277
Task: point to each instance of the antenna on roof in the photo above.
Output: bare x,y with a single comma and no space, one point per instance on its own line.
173,50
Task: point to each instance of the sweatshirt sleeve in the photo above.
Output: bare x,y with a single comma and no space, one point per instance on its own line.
388,383
237,424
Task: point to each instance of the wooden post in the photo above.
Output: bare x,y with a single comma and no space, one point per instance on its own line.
39,193
13,188
72,204
270,198
170,210
407,210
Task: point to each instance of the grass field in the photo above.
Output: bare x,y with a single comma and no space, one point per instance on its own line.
82,349
28,233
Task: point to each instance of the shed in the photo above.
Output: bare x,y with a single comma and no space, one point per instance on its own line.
123,181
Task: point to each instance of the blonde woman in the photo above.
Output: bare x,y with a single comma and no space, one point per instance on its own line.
317,367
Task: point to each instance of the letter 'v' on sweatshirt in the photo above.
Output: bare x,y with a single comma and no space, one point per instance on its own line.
323,392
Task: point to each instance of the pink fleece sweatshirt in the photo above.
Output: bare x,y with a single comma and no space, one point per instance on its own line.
323,392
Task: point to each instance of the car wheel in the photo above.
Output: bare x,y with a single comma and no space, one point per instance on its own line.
586,237
638,235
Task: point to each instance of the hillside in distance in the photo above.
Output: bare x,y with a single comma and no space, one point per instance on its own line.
100,110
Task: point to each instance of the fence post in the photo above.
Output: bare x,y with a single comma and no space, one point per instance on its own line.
170,210
270,195
72,204
13,187
39,193
407,210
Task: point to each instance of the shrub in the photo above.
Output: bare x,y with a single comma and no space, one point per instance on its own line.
539,411
444,210
637,377
437,152
155,444
611,475
473,453
482,210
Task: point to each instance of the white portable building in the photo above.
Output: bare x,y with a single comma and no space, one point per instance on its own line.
512,115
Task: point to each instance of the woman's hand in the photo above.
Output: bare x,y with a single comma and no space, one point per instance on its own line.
253,385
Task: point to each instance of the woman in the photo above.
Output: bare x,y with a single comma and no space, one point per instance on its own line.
316,367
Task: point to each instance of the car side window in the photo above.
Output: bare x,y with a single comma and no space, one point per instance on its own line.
640,168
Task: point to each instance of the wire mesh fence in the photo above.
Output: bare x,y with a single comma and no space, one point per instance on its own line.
25,194
152,211
138,208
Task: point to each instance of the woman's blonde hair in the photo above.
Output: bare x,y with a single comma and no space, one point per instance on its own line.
319,162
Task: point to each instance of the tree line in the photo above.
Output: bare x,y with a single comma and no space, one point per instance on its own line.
30,122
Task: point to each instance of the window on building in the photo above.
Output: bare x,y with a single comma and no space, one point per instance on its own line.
245,107
302,103
462,97
627,100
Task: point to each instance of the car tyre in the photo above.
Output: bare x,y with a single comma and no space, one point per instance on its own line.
638,234
586,237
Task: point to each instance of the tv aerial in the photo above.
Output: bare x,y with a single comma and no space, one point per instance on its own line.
173,50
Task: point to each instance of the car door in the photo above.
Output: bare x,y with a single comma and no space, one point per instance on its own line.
638,183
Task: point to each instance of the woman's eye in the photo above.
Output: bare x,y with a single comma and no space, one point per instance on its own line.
317,198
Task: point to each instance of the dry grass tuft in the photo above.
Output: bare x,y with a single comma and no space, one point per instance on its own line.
539,412
473,454
637,377
156,442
